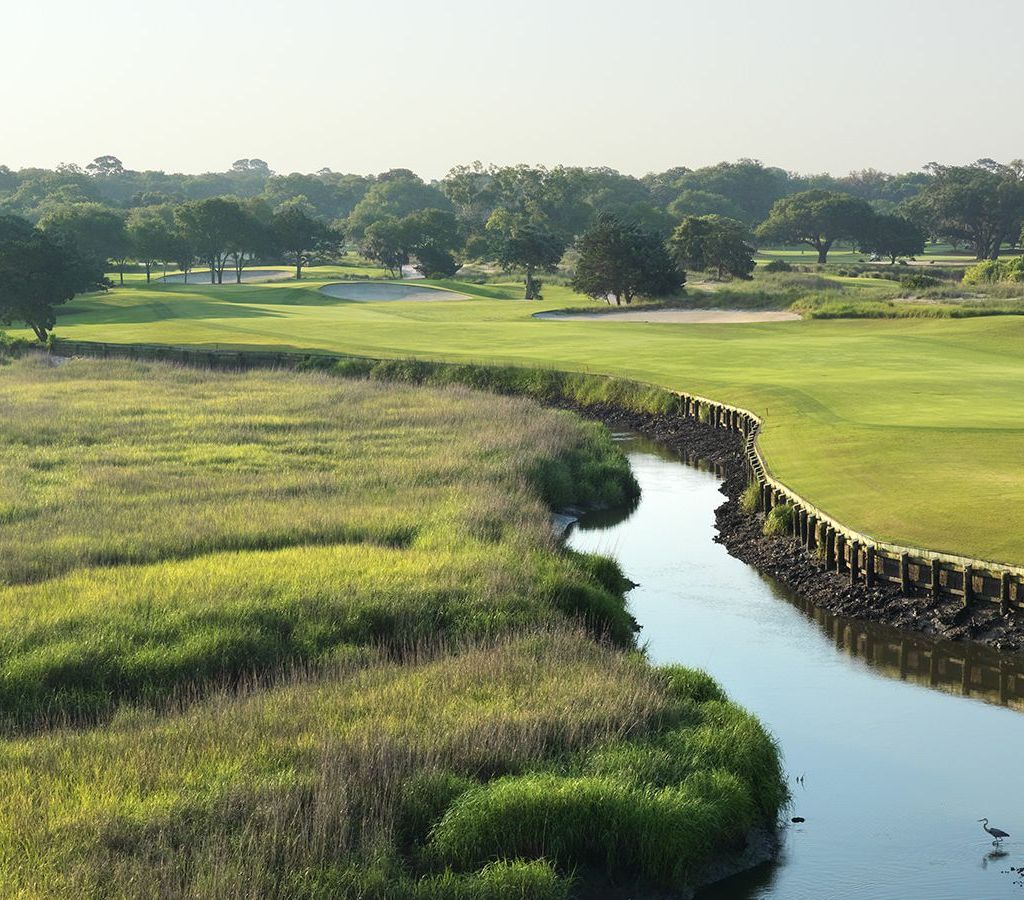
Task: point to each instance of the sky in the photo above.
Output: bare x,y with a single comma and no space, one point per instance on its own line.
641,86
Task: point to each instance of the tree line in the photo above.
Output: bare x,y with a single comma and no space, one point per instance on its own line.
628,240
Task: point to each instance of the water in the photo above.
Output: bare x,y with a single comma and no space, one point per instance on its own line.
898,765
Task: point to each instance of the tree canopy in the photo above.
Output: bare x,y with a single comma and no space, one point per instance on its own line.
818,218
713,243
982,204
38,273
892,236
621,260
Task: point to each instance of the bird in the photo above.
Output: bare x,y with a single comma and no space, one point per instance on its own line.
997,833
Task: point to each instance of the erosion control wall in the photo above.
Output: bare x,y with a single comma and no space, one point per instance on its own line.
841,549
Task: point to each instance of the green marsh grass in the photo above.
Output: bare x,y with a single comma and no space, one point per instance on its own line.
160,525
395,780
285,635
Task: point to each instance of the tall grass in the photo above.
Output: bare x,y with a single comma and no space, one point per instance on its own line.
390,780
279,635
160,525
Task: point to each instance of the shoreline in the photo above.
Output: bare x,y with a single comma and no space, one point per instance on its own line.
788,560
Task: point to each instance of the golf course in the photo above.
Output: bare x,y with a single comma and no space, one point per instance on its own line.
907,429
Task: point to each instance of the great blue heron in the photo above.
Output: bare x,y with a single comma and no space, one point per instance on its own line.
997,833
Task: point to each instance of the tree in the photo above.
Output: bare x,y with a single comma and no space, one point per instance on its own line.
701,203
713,243
387,242
104,166
209,227
96,231
396,193
258,166
296,231
892,236
38,273
152,235
253,236
520,244
818,218
981,204
748,187
433,236
622,261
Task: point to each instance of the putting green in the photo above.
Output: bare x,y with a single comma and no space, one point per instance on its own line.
911,431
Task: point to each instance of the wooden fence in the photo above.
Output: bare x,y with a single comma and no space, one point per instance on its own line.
841,549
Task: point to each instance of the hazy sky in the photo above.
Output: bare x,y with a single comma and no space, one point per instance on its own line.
639,86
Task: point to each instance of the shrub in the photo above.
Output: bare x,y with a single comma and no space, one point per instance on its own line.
990,271
917,281
779,520
750,499
777,265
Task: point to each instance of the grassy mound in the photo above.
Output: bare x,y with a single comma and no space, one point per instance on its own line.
494,771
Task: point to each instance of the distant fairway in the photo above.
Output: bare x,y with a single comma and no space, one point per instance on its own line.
908,430
249,276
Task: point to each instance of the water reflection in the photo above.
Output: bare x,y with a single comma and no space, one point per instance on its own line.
898,769
963,668
966,669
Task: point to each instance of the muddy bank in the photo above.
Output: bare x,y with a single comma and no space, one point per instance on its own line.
789,562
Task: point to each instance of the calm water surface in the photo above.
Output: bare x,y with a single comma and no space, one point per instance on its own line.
898,763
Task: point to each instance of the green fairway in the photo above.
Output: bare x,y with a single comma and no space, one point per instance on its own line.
908,430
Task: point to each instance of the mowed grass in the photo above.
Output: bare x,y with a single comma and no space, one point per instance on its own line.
908,430
163,528
494,771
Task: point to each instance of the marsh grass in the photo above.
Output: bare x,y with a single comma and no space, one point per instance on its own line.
418,778
160,525
284,635
779,520
750,499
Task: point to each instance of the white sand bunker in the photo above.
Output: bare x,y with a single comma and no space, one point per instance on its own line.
686,316
371,291
249,276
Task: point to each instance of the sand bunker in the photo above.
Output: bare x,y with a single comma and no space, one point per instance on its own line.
249,276
370,292
687,316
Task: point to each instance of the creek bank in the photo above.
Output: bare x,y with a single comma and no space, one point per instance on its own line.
786,560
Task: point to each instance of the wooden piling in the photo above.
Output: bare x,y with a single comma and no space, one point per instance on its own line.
936,579
830,548
904,574
968,586
1004,593
854,561
869,566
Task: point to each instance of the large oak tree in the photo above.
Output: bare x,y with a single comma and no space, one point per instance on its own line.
817,218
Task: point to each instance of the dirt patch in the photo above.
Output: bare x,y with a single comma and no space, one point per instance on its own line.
681,316
374,292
